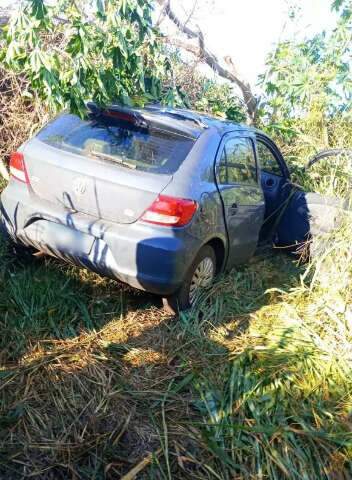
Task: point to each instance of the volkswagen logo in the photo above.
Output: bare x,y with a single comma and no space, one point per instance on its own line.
80,186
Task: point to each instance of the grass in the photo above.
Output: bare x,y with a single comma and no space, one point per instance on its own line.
96,381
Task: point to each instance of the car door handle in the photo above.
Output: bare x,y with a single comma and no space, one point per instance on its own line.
233,209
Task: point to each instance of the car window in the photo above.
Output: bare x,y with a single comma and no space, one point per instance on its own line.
267,160
237,163
150,149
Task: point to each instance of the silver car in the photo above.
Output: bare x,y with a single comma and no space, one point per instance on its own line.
162,199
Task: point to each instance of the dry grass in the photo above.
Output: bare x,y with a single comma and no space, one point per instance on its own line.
250,384
20,116
90,391
97,382
254,383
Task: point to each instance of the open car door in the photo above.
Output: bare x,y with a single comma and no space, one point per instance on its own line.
275,182
308,214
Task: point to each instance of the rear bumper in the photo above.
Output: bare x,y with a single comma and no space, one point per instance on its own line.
146,257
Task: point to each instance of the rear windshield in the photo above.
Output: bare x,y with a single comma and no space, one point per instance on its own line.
153,149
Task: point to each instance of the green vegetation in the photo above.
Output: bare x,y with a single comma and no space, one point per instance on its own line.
254,382
194,90
307,102
70,53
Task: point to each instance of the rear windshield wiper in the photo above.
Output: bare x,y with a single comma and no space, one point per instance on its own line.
111,158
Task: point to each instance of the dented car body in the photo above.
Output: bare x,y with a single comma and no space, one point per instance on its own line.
162,199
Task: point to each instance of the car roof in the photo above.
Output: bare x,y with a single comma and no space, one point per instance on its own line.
189,122
203,121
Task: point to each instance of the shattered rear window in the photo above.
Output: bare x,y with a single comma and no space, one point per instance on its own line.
153,149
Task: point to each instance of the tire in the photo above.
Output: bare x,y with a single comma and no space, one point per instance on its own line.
185,297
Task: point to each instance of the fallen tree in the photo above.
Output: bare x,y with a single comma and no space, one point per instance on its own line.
194,43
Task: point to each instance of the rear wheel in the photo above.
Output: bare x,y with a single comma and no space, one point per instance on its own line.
200,275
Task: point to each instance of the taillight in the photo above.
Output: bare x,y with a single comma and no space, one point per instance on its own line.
170,211
18,167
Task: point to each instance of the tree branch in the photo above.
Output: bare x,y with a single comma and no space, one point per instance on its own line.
165,4
230,73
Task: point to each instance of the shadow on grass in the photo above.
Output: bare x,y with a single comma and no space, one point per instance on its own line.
43,299
93,375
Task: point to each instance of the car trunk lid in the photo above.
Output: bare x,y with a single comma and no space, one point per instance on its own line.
91,185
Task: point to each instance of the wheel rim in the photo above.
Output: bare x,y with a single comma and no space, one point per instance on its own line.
202,278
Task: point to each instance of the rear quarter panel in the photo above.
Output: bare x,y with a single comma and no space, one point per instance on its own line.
195,180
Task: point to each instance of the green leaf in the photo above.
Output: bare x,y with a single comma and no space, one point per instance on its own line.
97,59
39,10
101,7
337,4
